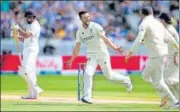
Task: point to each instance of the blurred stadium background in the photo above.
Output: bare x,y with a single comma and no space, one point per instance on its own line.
59,21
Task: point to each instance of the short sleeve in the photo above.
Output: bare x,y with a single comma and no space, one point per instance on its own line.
78,37
99,29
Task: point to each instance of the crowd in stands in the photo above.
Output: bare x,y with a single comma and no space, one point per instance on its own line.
59,19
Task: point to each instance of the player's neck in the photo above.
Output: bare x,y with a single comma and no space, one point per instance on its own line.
85,25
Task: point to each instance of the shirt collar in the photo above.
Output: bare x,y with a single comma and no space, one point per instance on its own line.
90,23
149,16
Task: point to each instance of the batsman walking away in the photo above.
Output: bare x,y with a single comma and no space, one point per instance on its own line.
89,55
29,37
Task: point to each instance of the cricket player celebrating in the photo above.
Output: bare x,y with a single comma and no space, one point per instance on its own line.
30,38
171,72
93,35
154,35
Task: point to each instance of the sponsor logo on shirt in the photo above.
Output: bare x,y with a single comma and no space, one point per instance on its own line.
88,38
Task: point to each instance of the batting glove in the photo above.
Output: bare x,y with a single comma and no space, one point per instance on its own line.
15,26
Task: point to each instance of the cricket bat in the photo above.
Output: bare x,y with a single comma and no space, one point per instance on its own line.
15,35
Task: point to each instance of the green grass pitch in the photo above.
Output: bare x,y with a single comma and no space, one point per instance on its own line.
66,87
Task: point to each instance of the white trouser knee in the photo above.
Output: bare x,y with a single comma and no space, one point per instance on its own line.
113,76
163,90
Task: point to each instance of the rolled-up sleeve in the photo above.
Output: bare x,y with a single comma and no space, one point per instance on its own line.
78,37
139,38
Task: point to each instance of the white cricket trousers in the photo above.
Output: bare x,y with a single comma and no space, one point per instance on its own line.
153,73
171,76
28,70
105,64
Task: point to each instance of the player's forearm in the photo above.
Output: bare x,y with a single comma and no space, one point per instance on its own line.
134,46
176,46
75,54
24,33
139,40
173,42
76,51
170,39
109,43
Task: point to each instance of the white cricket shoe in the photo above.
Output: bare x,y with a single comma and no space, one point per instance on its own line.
38,91
129,85
29,97
34,95
174,106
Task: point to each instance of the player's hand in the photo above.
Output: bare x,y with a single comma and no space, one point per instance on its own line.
21,38
69,64
176,58
119,49
128,57
15,26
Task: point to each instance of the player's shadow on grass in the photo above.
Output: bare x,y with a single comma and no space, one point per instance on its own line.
51,104
62,104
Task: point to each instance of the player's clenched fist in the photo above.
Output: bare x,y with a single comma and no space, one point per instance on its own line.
119,49
14,26
69,64
128,56
176,58
21,38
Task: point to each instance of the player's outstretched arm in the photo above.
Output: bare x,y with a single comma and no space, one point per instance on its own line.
139,39
170,39
110,44
75,54
176,59
101,33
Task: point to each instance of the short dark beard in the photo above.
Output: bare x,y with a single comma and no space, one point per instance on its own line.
29,22
86,25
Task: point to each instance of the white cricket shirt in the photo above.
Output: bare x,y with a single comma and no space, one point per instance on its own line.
154,35
32,42
91,37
